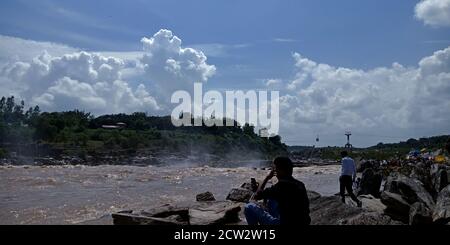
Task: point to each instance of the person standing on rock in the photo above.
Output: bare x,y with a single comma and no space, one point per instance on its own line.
287,200
348,176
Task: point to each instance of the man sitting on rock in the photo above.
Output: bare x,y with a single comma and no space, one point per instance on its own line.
287,200
348,176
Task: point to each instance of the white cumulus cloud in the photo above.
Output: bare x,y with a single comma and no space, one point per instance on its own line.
386,100
171,65
78,80
435,13
58,77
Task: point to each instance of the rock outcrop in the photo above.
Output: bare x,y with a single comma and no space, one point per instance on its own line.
208,213
396,207
205,197
164,215
441,212
411,190
370,183
330,211
419,214
239,195
439,177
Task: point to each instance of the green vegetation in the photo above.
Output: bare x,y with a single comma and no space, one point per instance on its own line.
77,132
380,151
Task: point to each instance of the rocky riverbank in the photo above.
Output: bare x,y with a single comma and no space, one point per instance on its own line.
414,192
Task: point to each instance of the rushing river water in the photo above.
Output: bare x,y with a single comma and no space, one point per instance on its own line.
73,194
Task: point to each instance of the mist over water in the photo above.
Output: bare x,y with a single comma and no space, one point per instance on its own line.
72,194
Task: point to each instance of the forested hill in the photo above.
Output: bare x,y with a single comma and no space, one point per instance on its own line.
379,151
82,132
434,142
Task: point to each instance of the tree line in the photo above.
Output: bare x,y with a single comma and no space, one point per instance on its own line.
82,130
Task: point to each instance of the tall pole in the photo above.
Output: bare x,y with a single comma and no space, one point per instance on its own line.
348,145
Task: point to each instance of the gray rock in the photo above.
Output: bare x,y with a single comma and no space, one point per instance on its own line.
439,177
205,197
419,214
312,195
411,190
391,183
370,183
205,213
137,219
218,213
164,215
330,210
366,164
251,186
421,172
371,204
370,218
441,212
396,207
239,195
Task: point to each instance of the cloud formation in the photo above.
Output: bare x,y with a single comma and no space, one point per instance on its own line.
63,78
435,13
171,66
79,80
323,98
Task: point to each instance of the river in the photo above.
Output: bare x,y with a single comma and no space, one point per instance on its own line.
73,194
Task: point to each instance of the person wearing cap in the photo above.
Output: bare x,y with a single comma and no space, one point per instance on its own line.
288,202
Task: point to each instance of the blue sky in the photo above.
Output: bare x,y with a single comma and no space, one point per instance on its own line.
349,33
249,42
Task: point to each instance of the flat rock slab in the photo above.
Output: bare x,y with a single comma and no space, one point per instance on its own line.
205,213
138,219
215,213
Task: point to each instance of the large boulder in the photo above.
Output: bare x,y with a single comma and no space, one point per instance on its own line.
421,172
396,207
330,210
391,183
371,204
205,197
239,195
441,212
411,190
363,165
439,177
419,214
370,183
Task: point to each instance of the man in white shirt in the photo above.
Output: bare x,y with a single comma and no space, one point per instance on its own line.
348,176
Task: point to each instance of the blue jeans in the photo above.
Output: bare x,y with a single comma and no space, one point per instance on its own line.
255,214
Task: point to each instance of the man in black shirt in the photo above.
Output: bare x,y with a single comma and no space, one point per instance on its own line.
287,199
